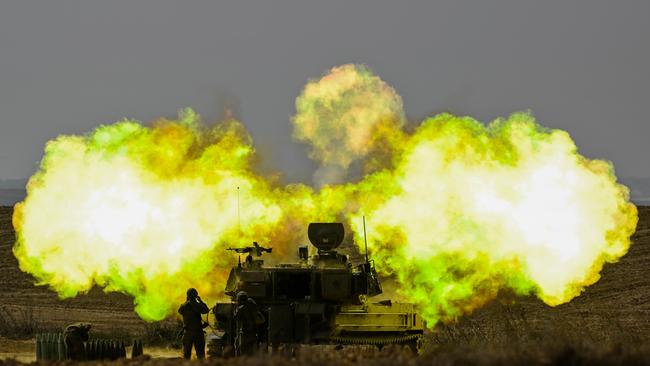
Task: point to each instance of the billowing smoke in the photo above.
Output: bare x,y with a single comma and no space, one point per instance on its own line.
343,116
461,212
512,206
145,211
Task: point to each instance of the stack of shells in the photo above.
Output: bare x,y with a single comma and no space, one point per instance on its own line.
105,349
51,347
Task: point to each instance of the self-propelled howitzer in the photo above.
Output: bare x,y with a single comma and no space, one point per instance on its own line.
321,299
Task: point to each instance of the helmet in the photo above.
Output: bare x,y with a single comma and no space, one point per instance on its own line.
192,293
242,296
76,327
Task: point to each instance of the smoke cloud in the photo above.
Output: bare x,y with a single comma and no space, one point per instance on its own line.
457,210
341,116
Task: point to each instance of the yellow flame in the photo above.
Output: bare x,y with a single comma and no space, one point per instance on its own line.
457,210
145,211
507,206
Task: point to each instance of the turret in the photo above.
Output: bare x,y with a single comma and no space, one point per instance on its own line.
324,276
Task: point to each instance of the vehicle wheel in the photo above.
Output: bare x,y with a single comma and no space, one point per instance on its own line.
416,346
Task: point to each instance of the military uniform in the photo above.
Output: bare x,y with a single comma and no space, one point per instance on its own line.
246,320
74,337
193,325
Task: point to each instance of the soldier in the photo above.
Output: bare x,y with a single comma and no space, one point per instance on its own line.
75,336
193,325
247,318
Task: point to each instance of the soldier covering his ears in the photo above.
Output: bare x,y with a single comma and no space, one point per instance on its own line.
193,335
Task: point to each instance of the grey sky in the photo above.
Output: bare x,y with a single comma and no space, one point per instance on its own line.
68,66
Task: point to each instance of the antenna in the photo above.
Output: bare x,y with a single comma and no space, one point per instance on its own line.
238,216
365,240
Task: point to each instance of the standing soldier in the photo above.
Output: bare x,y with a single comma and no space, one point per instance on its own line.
246,320
75,336
193,325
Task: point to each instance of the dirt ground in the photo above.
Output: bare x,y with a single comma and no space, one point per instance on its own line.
22,350
613,312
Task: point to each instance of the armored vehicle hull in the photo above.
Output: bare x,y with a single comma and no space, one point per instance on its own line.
322,299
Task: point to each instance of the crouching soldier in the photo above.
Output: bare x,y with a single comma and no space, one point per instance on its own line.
247,318
74,337
193,325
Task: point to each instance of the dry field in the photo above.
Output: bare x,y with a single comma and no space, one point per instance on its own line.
609,323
